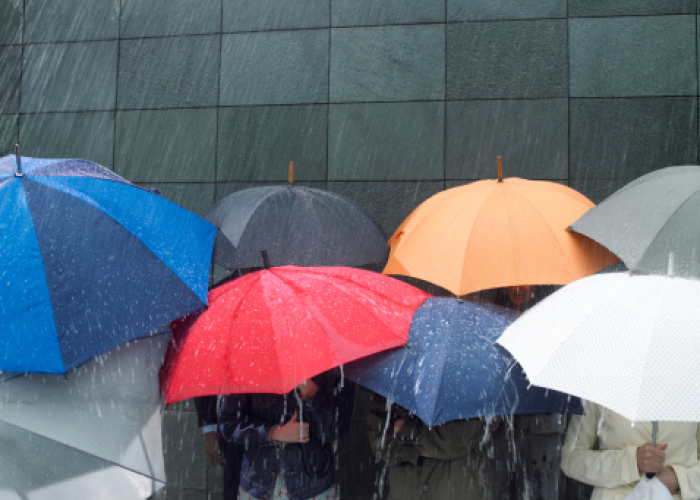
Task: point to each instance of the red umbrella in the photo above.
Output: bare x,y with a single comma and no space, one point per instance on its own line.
270,330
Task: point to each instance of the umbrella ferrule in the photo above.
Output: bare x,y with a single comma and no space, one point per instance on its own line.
19,161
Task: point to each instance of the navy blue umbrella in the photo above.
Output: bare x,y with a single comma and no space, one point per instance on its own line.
89,261
450,368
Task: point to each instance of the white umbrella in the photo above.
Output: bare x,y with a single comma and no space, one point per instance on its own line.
95,433
629,343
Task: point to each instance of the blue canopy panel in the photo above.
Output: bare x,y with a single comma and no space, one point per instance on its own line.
161,225
125,254
28,333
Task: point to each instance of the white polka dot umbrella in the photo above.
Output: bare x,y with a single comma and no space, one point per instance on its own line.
629,343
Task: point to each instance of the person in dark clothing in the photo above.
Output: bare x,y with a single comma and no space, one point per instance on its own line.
219,452
287,439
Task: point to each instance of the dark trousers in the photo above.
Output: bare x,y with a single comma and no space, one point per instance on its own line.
233,453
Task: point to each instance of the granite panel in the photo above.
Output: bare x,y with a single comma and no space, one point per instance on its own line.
89,136
185,459
268,15
388,63
9,133
601,8
174,493
197,197
69,77
531,136
515,59
389,203
633,56
487,10
170,17
70,20
622,139
10,78
386,141
384,12
12,14
168,72
285,67
257,143
166,145
597,190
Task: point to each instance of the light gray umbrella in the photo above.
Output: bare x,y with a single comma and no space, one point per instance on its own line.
297,226
95,433
651,221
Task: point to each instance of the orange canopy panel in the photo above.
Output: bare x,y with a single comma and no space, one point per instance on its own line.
491,234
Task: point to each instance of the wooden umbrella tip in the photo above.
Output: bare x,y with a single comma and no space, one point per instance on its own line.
291,172
500,169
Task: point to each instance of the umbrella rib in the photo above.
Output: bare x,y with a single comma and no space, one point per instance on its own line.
229,354
471,240
547,225
647,355
57,338
351,282
87,453
668,219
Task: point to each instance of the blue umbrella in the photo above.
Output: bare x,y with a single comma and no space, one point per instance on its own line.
89,261
450,368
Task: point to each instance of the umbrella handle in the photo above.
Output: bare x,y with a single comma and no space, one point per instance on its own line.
654,434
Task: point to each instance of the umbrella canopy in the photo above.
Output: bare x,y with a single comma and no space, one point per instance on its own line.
629,343
296,225
491,234
649,219
270,330
450,368
93,434
89,261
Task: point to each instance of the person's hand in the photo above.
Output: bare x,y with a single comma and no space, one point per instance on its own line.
651,458
669,479
211,446
398,423
495,424
307,389
291,432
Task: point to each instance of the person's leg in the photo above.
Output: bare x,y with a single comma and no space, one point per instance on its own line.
232,470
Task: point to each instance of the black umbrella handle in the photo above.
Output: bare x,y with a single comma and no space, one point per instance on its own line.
654,434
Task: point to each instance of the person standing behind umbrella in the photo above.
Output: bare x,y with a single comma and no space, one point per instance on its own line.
287,440
446,462
219,452
527,448
624,454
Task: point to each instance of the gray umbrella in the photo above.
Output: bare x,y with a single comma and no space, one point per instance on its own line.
651,222
296,225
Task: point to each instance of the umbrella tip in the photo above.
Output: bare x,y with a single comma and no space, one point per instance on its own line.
19,159
291,172
500,169
266,259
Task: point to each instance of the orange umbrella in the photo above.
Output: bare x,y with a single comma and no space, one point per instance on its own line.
496,233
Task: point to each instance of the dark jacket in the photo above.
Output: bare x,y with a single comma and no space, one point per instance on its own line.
308,468
208,414
446,462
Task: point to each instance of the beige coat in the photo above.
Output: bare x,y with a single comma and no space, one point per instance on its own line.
613,469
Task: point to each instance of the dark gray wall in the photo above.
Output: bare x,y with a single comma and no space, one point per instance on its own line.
385,101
